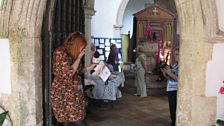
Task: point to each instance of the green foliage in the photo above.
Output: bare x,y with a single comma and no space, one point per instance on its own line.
220,122
2,117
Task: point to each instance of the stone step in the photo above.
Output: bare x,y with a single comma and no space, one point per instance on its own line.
153,87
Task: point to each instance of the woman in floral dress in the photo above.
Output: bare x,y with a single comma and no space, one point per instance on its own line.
67,96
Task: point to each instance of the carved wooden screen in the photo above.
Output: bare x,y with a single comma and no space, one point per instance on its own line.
161,22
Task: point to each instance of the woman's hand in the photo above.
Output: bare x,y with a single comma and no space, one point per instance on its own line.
167,70
81,54
75,65
163,71
91,67
169,73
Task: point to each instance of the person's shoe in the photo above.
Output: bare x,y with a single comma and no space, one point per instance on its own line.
136,94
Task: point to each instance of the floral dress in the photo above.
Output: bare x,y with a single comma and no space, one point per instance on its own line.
67,97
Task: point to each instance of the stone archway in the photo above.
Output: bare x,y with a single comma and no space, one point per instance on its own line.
198,23
21,23
198,27
60,19
120,13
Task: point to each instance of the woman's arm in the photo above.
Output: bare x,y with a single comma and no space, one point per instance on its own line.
170,74
164,73
143,62
75,65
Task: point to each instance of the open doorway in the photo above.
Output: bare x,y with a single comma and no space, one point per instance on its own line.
131,96
58,23
61,18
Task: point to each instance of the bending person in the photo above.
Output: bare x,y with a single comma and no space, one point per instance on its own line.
67,96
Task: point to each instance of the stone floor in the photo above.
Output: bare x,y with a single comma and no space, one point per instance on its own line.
131,110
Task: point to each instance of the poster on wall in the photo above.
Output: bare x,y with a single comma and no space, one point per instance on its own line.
103,46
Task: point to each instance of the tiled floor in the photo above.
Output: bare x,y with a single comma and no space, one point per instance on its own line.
132,111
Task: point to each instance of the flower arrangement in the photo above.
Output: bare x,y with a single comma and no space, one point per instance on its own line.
221,90
219,121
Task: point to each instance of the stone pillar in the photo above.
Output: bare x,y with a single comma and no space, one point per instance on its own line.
193,107
26,108
23,29
89,12
117,31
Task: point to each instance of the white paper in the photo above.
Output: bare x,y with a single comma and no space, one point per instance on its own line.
89,82
101,46
5,80
102,71
107,43
100,51
96,42
107,40
92,40
104,75
118,45
113,41
107,49
101,40
119,40
107,54
102,57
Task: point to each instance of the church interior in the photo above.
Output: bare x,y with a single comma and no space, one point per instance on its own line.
31,30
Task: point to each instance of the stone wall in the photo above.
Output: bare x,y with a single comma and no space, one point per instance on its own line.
21,23
197,21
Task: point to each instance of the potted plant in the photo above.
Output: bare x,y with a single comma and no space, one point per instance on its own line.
2,117
220,122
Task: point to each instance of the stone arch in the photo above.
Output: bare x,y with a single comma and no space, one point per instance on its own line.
198,28
22,21
198,23
120,13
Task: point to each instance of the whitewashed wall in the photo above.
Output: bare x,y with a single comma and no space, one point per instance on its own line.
133,7
104,18
215,76
106,13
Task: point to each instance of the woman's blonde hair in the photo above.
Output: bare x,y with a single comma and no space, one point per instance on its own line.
140,48
74,42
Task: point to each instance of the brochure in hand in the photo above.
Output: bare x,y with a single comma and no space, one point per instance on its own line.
102,71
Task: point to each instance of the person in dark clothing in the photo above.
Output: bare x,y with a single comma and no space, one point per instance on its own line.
113,57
